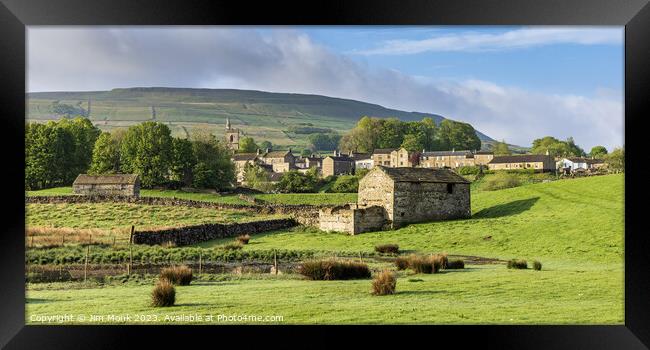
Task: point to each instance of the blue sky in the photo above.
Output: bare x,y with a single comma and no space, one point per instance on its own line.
553,68
512,83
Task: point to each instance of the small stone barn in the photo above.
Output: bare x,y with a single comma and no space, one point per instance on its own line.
411,195
394,197
107,185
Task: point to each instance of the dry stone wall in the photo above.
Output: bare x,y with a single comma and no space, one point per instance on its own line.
188,235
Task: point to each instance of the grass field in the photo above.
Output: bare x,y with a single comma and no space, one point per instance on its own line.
48,222
279,198
574,227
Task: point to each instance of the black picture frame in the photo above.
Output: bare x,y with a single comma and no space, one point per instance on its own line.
16,14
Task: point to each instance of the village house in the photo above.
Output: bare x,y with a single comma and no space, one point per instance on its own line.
537,162
447,159
107,185
281,161
241,160
362,160
382,156
394,197
402,158
337,164
483,157
573,164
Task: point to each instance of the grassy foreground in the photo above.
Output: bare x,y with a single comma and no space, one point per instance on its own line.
575,227
488,294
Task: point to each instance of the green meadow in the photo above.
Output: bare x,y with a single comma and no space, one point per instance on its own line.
574,227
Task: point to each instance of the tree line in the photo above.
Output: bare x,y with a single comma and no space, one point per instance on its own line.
56,152
371,133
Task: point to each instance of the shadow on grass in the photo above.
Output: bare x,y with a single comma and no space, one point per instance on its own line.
507,209
420,292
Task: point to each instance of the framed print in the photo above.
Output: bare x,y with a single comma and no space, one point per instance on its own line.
261,171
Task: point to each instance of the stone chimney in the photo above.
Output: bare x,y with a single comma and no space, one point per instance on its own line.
258,151
267,150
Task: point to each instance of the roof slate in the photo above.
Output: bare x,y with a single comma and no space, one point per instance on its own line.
423,175
114,179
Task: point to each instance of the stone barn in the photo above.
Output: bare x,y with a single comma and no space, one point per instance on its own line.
411,195
394,197
107,185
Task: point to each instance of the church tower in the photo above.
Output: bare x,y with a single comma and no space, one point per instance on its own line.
232,136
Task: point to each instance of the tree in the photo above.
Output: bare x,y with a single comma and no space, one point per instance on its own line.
295,182
257,178
324,142
247,145
345,184
616,159
146,150
264,145
182,161
557,148
414,142
56,152
82,135
214,168
306,152
501,148
598,152
106,154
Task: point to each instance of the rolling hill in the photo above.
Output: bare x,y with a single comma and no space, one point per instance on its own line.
262,115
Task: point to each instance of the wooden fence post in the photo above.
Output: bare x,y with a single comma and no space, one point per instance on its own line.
275,261
86,263
360,258
200,262
130,266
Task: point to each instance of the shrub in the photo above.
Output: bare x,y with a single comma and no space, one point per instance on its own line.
243,239
345,184
163,294
499,181
384,283
236,245
517,264
439,261
537,265
402,263
455,264
387,248
331,269
425,264
178,275
469,170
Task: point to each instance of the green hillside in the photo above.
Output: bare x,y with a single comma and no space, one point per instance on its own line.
262,115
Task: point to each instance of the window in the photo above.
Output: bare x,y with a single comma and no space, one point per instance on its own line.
450,188
232,138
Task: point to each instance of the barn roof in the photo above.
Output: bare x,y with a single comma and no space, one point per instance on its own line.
115,179
423,175
276,154
520,158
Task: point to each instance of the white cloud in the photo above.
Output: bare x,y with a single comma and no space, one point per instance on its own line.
509,40
289,61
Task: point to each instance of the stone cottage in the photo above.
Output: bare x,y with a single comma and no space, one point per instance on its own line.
107,185
401,196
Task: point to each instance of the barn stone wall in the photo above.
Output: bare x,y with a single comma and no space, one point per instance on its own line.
352,219
376,189
426,201
106,189
188,235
